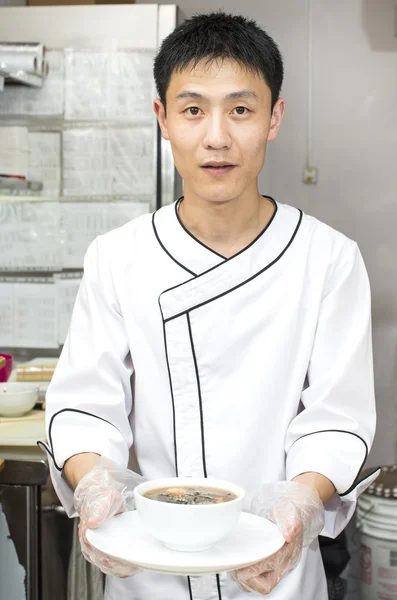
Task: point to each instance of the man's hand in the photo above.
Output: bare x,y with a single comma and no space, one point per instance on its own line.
107,564
299,513
265,575
102,492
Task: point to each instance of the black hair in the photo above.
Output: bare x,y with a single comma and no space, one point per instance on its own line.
215,36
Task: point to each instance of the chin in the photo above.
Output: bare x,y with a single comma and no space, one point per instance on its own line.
219,196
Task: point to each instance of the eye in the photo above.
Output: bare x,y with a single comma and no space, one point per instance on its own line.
192,110
241,110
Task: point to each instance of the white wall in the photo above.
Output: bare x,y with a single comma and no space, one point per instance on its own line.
355,148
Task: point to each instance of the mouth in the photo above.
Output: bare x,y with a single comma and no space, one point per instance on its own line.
218,168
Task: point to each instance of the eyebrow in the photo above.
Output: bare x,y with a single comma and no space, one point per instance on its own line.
240,94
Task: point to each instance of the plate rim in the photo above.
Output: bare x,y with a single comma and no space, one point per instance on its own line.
181,570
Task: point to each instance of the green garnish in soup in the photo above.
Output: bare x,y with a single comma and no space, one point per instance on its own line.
190,495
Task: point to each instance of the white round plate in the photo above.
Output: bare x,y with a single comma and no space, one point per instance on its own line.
124,537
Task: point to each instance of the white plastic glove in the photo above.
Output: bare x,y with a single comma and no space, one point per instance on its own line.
103,492
299,514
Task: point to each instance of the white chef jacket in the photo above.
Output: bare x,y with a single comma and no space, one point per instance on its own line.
202,363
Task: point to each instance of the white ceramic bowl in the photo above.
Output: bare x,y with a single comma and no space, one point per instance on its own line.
17,398
188,528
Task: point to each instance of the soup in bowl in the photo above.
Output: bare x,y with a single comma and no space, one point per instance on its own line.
189,514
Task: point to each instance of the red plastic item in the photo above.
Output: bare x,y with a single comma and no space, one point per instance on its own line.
5,372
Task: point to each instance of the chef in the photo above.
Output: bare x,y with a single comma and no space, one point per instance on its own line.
227,335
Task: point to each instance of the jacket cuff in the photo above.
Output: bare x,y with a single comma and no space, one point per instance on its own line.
338,455
340,509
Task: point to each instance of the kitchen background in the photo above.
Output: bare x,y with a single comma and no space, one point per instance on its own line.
341,97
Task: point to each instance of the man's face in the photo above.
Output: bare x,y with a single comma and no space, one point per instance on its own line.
219,114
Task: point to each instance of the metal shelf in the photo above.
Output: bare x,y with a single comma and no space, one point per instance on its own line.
19,76
8,183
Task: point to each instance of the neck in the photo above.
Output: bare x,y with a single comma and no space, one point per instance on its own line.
226,227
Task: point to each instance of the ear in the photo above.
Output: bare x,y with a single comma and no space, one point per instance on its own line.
161,117
277,117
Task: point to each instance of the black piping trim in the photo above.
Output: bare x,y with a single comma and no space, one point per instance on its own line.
46,449
219,587
367,476
174,421
164,321
190,587
199,395
172,393
198,241
50,448
240,284
356,480
166,251
192,344
177,204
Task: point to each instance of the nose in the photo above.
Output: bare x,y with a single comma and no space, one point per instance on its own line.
217,135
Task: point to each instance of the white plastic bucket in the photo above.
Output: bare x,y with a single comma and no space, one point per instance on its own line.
377,522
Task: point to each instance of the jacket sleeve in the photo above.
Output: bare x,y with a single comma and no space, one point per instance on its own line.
334,432
89,399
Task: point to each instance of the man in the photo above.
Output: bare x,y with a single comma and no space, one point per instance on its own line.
232,312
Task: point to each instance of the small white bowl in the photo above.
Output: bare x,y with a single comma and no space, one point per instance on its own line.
17,398
188,528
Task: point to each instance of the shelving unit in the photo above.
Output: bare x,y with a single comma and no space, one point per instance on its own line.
94,140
